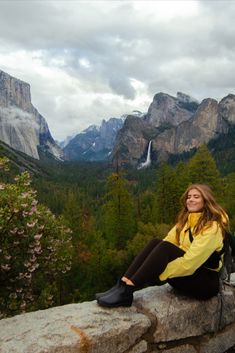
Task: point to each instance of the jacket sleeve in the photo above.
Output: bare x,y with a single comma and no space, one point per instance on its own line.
171,236
203,245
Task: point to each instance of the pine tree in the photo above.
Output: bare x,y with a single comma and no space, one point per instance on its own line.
167,196
202,169
119,215
228,198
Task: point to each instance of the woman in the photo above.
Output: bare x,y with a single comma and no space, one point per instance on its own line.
188,258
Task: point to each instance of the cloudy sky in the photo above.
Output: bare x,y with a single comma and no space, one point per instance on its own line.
92,60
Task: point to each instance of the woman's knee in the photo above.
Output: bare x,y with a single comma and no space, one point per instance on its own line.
171,249
154,242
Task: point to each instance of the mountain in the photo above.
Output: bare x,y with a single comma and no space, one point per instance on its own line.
21,126
167,111
175,125
94,143
65,142
164,113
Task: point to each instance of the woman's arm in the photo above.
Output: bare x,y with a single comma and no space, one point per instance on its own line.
203,245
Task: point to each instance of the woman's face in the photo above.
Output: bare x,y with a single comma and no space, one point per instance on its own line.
194,202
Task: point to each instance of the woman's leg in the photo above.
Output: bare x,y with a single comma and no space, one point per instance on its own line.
140,258
147,266
203,284
154,263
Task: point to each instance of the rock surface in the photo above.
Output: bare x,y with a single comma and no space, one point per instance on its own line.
21,125
159,320
177,125
166,110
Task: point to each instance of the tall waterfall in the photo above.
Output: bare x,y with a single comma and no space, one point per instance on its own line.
147,162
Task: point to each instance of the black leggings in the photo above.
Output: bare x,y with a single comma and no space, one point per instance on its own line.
152,261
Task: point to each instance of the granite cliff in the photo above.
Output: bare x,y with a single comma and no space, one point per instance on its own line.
21,126
175,125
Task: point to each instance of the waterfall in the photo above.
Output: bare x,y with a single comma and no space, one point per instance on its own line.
148,158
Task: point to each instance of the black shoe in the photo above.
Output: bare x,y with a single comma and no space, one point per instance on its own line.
117,285
121,296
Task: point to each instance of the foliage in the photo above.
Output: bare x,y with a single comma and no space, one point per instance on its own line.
202,169
35,250
112,216
167,195
145,233
119,216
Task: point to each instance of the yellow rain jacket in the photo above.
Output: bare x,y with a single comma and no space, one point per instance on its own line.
196,252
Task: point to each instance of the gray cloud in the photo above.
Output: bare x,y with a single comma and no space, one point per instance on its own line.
81,57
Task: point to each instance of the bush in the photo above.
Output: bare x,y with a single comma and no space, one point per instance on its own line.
35,250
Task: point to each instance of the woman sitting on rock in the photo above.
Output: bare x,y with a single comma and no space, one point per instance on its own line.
188,258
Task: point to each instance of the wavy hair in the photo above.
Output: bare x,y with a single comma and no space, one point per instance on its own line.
212,211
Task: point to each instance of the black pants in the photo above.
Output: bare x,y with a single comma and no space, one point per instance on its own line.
152,261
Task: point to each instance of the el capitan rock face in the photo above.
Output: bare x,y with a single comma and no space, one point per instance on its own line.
21,125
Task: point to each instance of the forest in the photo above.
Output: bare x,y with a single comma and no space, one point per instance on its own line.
69,230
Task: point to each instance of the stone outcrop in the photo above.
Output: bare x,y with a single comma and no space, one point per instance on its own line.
160,320
21,125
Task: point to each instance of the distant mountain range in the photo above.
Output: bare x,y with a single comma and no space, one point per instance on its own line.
174,125
94,143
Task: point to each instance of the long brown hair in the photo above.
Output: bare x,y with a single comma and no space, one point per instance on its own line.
212,211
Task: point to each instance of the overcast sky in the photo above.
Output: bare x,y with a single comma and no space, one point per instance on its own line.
91,60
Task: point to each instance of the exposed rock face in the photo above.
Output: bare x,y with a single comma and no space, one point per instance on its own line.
21,126
160,320
167,111
132,140
94,143
227,108
177,129
198,130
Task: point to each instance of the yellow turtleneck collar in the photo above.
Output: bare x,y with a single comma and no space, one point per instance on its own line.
193,218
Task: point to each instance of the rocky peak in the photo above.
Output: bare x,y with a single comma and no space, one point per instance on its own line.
227,108
206,117
14,92
168,111
95,142
185,98
201,128
21,125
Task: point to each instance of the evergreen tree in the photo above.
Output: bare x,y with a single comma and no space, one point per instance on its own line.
73,213
119,215
228,198
145,206
182,177
202,169
167,195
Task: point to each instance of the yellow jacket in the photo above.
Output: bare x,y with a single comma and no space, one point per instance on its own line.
197,252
